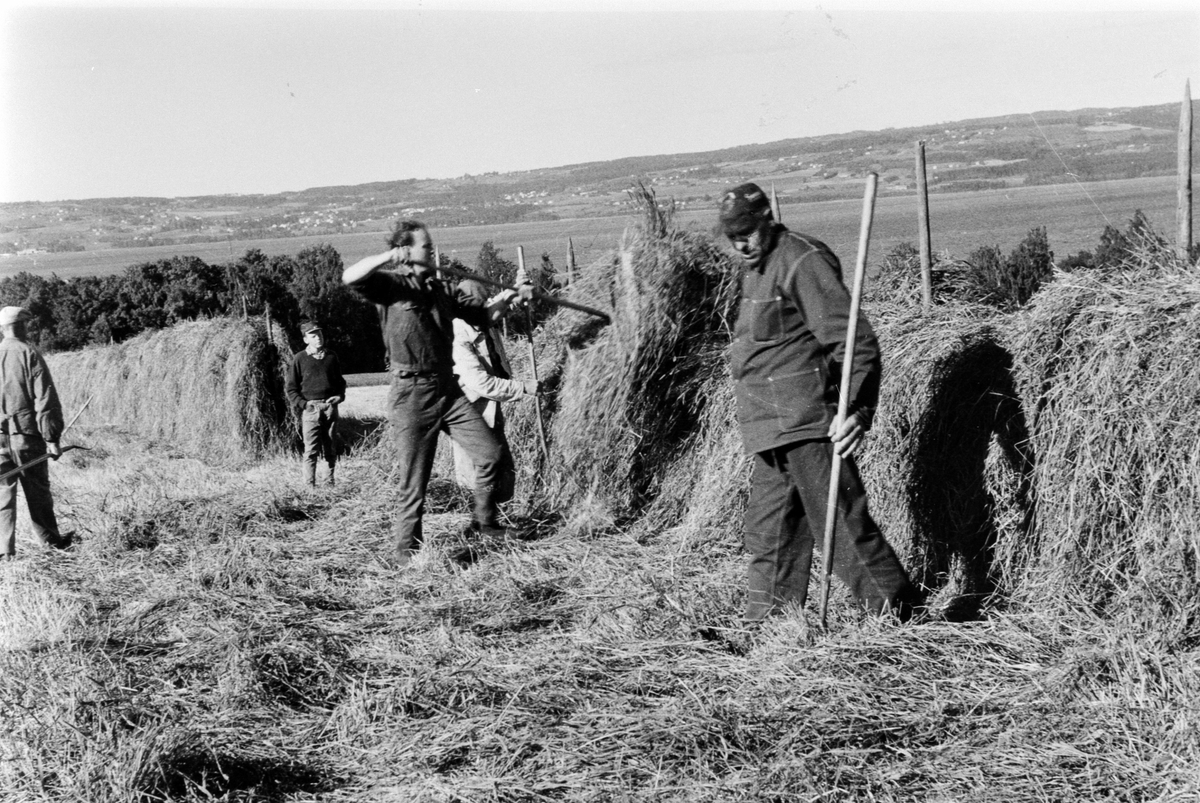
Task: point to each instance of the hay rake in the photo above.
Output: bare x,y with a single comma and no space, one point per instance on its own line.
43,458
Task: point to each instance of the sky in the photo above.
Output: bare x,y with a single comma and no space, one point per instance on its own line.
172,100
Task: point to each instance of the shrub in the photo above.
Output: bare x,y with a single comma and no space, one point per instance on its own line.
1009,283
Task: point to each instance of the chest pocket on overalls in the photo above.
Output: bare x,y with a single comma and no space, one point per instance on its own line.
767,319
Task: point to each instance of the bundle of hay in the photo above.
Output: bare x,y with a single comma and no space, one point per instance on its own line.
946,463
210,388
625,398
704,493
1109,366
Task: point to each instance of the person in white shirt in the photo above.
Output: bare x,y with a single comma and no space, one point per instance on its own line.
485,376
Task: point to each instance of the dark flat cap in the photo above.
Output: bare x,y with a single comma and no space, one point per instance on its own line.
743,208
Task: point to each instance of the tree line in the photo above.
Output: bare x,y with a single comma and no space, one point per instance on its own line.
69,314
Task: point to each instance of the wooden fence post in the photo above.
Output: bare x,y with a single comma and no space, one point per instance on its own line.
570,262
1183,214
537,402
923,229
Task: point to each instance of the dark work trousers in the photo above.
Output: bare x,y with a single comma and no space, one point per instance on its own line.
318,425
419,408
464,469
16,450
786,515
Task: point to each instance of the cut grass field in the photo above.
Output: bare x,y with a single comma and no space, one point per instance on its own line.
221,635
366,401
1073,214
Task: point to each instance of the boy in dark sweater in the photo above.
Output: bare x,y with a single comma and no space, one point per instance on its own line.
315,387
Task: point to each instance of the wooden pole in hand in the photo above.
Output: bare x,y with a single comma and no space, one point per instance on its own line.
835,471
537,402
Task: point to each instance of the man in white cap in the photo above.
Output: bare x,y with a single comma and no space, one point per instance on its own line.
31,421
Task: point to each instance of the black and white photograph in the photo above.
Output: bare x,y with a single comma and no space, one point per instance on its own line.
584,401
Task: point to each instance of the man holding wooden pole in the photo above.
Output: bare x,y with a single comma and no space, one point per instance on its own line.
789,344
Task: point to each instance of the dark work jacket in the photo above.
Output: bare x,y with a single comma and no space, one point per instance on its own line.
29,403
417,318
788,345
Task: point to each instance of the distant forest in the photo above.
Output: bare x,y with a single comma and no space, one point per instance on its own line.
100,310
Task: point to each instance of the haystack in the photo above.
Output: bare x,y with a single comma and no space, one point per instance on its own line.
704,493
946,464
210,388
1108,364
625,398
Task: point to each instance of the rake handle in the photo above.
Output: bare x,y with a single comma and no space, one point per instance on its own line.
835,470
538,294
39,460
537,402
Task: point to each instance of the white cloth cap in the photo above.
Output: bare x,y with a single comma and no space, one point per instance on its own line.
10,315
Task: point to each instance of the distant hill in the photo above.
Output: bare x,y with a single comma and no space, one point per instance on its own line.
988,153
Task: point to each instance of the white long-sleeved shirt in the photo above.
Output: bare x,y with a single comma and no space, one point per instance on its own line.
476,374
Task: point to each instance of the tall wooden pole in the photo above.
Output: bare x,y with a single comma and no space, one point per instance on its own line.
923,229
1183,214
775,204
570,262
835,470
537,402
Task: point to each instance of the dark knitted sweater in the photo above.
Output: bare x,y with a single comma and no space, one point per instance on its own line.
310,379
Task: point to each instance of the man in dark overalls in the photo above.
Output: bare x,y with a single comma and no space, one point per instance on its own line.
425,397
789,343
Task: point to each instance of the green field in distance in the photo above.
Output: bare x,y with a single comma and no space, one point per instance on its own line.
1074,216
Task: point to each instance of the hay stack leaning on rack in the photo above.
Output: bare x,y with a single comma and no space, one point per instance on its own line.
209,388
947,464
625,397
1109,369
